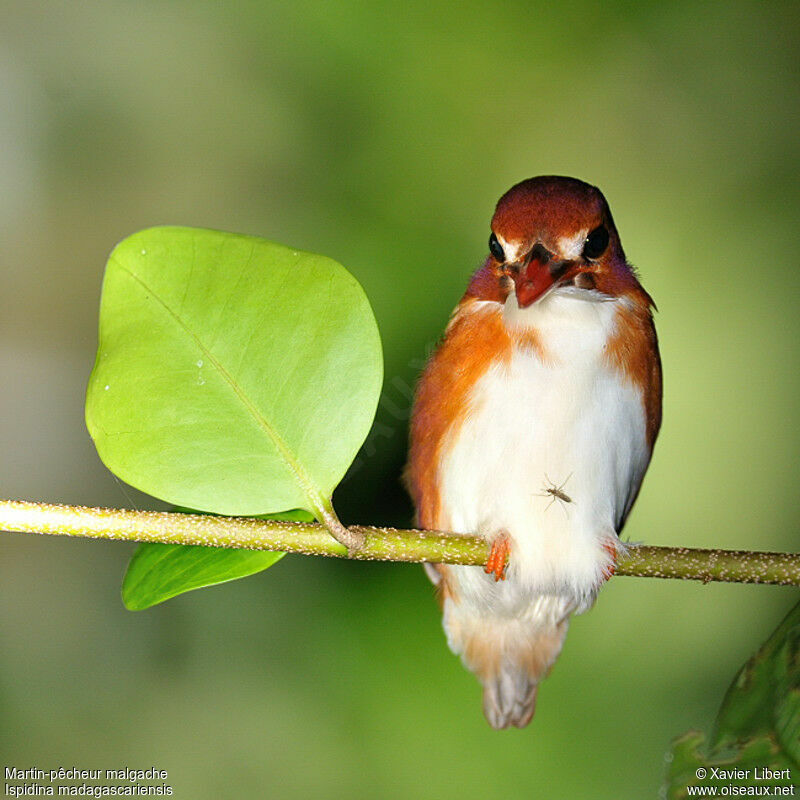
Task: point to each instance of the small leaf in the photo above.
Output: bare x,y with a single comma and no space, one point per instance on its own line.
758,725
157,572
233,375
765,695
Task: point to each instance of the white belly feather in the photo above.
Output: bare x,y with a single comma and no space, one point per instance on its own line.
572,423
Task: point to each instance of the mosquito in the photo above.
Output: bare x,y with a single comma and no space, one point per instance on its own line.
556,492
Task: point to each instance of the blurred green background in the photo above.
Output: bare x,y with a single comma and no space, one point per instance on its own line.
382,134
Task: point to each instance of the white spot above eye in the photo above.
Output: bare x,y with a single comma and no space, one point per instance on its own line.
570,247
200,363
514,250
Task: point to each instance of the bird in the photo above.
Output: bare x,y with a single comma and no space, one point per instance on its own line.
546,385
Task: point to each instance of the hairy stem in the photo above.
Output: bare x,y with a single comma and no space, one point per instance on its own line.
381,544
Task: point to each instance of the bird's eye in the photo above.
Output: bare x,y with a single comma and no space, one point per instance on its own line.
596,242
496,249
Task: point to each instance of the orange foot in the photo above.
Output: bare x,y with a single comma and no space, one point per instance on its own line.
609,547
497,557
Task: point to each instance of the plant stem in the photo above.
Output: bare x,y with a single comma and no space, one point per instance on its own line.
382,544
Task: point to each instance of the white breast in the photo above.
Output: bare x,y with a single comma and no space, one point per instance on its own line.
569,421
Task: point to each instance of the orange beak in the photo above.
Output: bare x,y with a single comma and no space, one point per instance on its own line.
538,273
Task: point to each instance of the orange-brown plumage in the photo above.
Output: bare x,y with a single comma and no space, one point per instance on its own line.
634,352
474,339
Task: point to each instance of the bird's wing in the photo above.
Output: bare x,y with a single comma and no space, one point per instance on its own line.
474,338
647,356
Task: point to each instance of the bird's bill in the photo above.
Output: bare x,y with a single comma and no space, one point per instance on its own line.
536,278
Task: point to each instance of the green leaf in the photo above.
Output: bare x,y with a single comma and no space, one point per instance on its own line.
157,572
758,725
233,375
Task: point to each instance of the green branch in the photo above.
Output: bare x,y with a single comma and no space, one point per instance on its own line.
380,544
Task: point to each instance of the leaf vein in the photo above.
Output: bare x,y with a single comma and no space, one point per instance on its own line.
305,483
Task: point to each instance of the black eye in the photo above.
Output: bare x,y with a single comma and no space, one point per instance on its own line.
496,249
596,242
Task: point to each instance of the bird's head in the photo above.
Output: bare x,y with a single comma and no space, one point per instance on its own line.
552,231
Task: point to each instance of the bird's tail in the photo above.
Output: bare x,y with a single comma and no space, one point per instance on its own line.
509,698
509,657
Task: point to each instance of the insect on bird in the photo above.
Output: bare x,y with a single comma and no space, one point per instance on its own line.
549,365
555,492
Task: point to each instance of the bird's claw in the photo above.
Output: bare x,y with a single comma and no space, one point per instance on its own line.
496,562
610,548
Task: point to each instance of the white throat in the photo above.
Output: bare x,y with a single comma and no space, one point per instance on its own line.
568,320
